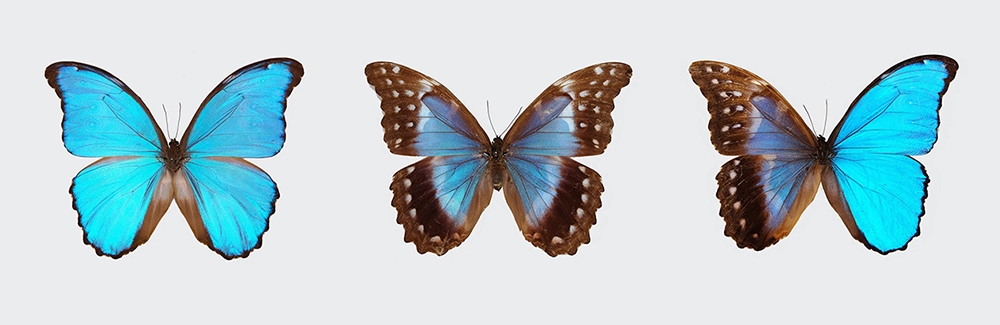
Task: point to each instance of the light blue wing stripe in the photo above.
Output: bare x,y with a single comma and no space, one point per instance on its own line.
235,199
112,196
773,130
244,115
537,180
441,130
103,117
885,194
549,130
456,179
781,181
897,114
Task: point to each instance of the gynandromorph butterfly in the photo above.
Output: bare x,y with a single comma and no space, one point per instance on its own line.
554,198
121,197
866,167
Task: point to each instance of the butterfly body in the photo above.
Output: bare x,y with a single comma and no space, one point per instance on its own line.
864,167
226,200
553,198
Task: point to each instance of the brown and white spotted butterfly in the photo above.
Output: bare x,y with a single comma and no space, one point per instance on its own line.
554,199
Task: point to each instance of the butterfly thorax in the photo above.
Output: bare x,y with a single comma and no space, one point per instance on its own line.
496,157
824,152
174,156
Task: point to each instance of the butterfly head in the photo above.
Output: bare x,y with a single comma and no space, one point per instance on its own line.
496,156
174,156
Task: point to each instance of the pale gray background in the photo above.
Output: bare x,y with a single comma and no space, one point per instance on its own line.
334,252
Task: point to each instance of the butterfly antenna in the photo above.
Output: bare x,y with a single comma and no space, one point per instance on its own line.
166,118
513,120
489,117
810,118
826,119
178,132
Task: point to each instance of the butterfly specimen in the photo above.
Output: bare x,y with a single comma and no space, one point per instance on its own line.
226,200
865,167
554,198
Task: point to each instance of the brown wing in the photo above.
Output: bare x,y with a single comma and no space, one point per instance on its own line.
420,116
572,117
438,200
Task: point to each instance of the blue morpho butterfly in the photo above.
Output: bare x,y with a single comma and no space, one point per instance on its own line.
554,199
121,197
865,168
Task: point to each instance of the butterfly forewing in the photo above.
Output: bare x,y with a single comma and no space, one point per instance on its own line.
572,117
420,116
749,116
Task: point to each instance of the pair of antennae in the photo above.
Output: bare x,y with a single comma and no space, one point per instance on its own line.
490,118
167,120
825,118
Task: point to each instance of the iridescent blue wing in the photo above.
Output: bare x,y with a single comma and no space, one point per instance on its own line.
226,200
438,199
874,185
244,116
119,199
102,116
763,191
554,198
420,116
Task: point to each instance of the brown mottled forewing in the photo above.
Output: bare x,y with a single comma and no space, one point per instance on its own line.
401,90
425,223
728,89
566,225
593,90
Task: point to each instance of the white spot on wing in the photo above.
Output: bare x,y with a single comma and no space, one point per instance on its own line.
413,214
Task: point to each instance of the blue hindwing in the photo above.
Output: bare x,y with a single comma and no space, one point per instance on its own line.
227,202
120,200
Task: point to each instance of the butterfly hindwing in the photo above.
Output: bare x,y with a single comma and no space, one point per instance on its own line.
439,200
878,190
120,200
554,201
227,202
102,116
420,116
763,196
